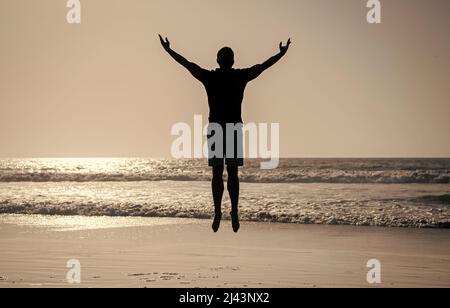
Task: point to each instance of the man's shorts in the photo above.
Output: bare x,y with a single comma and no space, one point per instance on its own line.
226,149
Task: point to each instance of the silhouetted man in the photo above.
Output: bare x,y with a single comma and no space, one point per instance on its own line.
225,88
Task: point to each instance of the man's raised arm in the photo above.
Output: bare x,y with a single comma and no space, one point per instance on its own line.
193,68
256,70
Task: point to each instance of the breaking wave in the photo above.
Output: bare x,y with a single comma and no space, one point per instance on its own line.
343,171
361,205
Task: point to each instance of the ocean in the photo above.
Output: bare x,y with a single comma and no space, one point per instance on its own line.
363,192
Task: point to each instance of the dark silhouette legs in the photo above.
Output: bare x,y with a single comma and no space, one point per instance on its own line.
217,189
233,190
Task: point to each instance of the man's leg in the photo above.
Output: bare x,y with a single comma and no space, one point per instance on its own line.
233,190
217,190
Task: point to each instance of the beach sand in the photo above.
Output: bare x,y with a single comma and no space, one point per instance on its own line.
152,252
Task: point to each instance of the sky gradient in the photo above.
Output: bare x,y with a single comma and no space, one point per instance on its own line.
107,88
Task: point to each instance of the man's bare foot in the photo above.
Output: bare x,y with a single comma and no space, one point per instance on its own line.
235,221
216,222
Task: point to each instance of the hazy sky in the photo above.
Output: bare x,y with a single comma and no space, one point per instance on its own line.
106,87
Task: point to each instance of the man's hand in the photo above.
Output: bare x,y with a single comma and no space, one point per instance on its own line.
165,43
256,70
284,49
193,68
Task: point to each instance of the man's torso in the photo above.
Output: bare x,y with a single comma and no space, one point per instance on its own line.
225,89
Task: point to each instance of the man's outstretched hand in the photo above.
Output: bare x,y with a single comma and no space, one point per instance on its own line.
165,43
284,49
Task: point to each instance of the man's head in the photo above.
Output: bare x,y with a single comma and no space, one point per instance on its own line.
225,58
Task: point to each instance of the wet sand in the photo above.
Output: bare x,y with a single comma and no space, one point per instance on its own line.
149,252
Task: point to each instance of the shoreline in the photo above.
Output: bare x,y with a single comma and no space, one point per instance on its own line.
15,218
153,253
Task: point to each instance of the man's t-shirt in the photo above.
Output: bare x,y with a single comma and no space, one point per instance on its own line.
225,89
